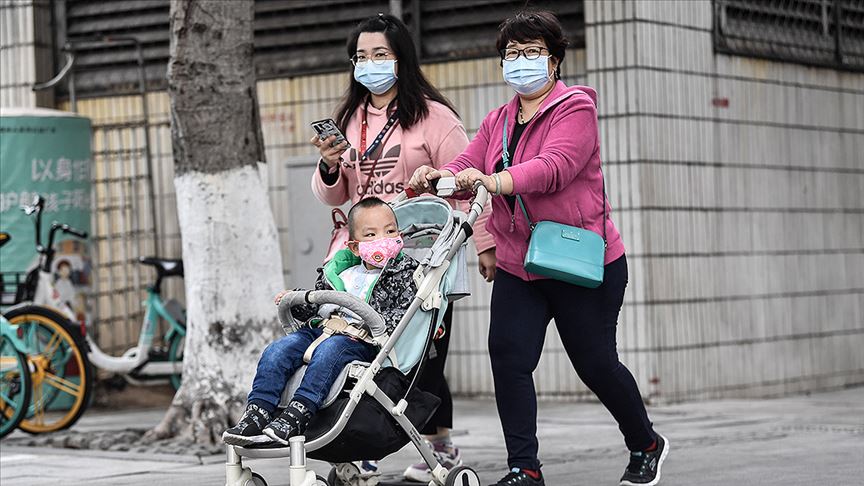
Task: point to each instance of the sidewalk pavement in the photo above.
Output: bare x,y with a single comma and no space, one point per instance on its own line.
801,440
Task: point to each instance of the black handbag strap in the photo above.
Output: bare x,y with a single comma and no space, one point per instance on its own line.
505,157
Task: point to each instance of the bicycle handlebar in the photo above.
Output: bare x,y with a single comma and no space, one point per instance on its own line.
70,230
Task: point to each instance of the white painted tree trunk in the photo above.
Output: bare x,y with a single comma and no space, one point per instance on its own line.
231,256
233,270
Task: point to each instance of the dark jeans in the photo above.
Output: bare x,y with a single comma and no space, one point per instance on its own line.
432,380
283,357
586,320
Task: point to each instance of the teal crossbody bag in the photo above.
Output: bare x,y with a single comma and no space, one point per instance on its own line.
562,252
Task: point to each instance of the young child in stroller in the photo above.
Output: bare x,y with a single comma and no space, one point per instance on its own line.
373,268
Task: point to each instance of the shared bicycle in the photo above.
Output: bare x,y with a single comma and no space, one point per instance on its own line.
61,354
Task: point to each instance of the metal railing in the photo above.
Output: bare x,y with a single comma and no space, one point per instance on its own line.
825,33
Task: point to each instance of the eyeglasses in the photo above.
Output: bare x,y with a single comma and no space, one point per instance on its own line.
376,58
530,53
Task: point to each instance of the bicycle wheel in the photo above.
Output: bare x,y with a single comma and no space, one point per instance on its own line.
175,355
15,386
61,373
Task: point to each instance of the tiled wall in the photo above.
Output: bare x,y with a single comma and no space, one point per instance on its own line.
25,52
744,223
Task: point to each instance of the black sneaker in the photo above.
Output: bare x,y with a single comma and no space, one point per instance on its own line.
644,467
517,477
290,423
248,429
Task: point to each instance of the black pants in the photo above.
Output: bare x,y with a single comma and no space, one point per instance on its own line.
586,321
432,380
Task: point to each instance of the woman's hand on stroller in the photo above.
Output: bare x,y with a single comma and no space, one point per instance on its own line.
423,179
466,179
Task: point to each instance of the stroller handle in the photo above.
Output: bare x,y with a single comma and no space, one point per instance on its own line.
481,194
363,310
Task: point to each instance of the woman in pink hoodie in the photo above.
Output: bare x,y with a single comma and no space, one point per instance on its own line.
396,121
554,147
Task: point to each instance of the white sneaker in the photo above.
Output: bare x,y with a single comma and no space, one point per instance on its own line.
446,453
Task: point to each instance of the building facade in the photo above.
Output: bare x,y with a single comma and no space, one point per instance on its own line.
732,145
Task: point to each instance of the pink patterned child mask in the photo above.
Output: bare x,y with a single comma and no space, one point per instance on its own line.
378,252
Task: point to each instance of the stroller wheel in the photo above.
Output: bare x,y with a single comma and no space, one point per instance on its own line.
462,476
348,474
332,478
257,480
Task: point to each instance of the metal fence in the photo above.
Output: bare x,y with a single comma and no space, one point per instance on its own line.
826,33
123,229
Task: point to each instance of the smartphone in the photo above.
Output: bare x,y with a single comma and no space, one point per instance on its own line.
327,127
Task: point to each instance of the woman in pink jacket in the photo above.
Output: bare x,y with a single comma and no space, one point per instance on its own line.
396,121
554,149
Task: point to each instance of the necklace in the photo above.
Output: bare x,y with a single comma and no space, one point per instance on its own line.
522,119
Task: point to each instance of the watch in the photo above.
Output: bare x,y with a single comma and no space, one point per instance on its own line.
326,169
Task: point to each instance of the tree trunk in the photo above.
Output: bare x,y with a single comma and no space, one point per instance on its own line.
230,244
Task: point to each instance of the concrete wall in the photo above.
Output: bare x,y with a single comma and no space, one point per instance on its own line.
25,52
744,224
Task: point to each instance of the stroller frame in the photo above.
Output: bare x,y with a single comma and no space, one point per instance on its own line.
428,298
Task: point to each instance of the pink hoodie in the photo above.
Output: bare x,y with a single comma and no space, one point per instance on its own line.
556,170
434,141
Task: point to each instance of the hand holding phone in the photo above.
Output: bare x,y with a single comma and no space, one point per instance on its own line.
327,128
331,151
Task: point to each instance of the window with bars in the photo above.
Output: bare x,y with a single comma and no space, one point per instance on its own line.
292,37
827,33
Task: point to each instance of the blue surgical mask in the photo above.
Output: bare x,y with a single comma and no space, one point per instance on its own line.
527,76
377,78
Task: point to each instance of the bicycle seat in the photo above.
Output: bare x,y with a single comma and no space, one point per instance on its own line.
4,238
165,267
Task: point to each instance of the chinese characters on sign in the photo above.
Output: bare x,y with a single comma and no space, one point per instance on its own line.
48,170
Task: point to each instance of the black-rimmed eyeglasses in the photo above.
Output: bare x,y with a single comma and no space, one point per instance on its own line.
530,53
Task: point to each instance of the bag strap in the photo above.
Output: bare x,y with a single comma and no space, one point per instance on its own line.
339,220
506,162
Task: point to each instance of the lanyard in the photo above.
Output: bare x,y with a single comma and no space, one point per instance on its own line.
375,143
371,149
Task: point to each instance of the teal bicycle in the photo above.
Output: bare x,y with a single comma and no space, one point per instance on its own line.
16,384
68,354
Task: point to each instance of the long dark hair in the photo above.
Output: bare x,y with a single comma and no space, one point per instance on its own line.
414,90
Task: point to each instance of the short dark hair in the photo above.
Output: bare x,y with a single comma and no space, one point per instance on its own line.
369,202
414,90
528,25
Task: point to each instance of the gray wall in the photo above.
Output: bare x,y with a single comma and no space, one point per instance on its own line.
25,52
744,224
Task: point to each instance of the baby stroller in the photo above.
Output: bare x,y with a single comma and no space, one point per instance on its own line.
373,408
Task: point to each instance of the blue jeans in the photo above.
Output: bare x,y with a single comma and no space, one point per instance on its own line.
283,357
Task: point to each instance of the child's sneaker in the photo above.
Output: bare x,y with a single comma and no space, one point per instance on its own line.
292,422
248,429
446,453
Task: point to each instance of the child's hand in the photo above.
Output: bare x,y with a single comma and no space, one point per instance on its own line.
279,296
